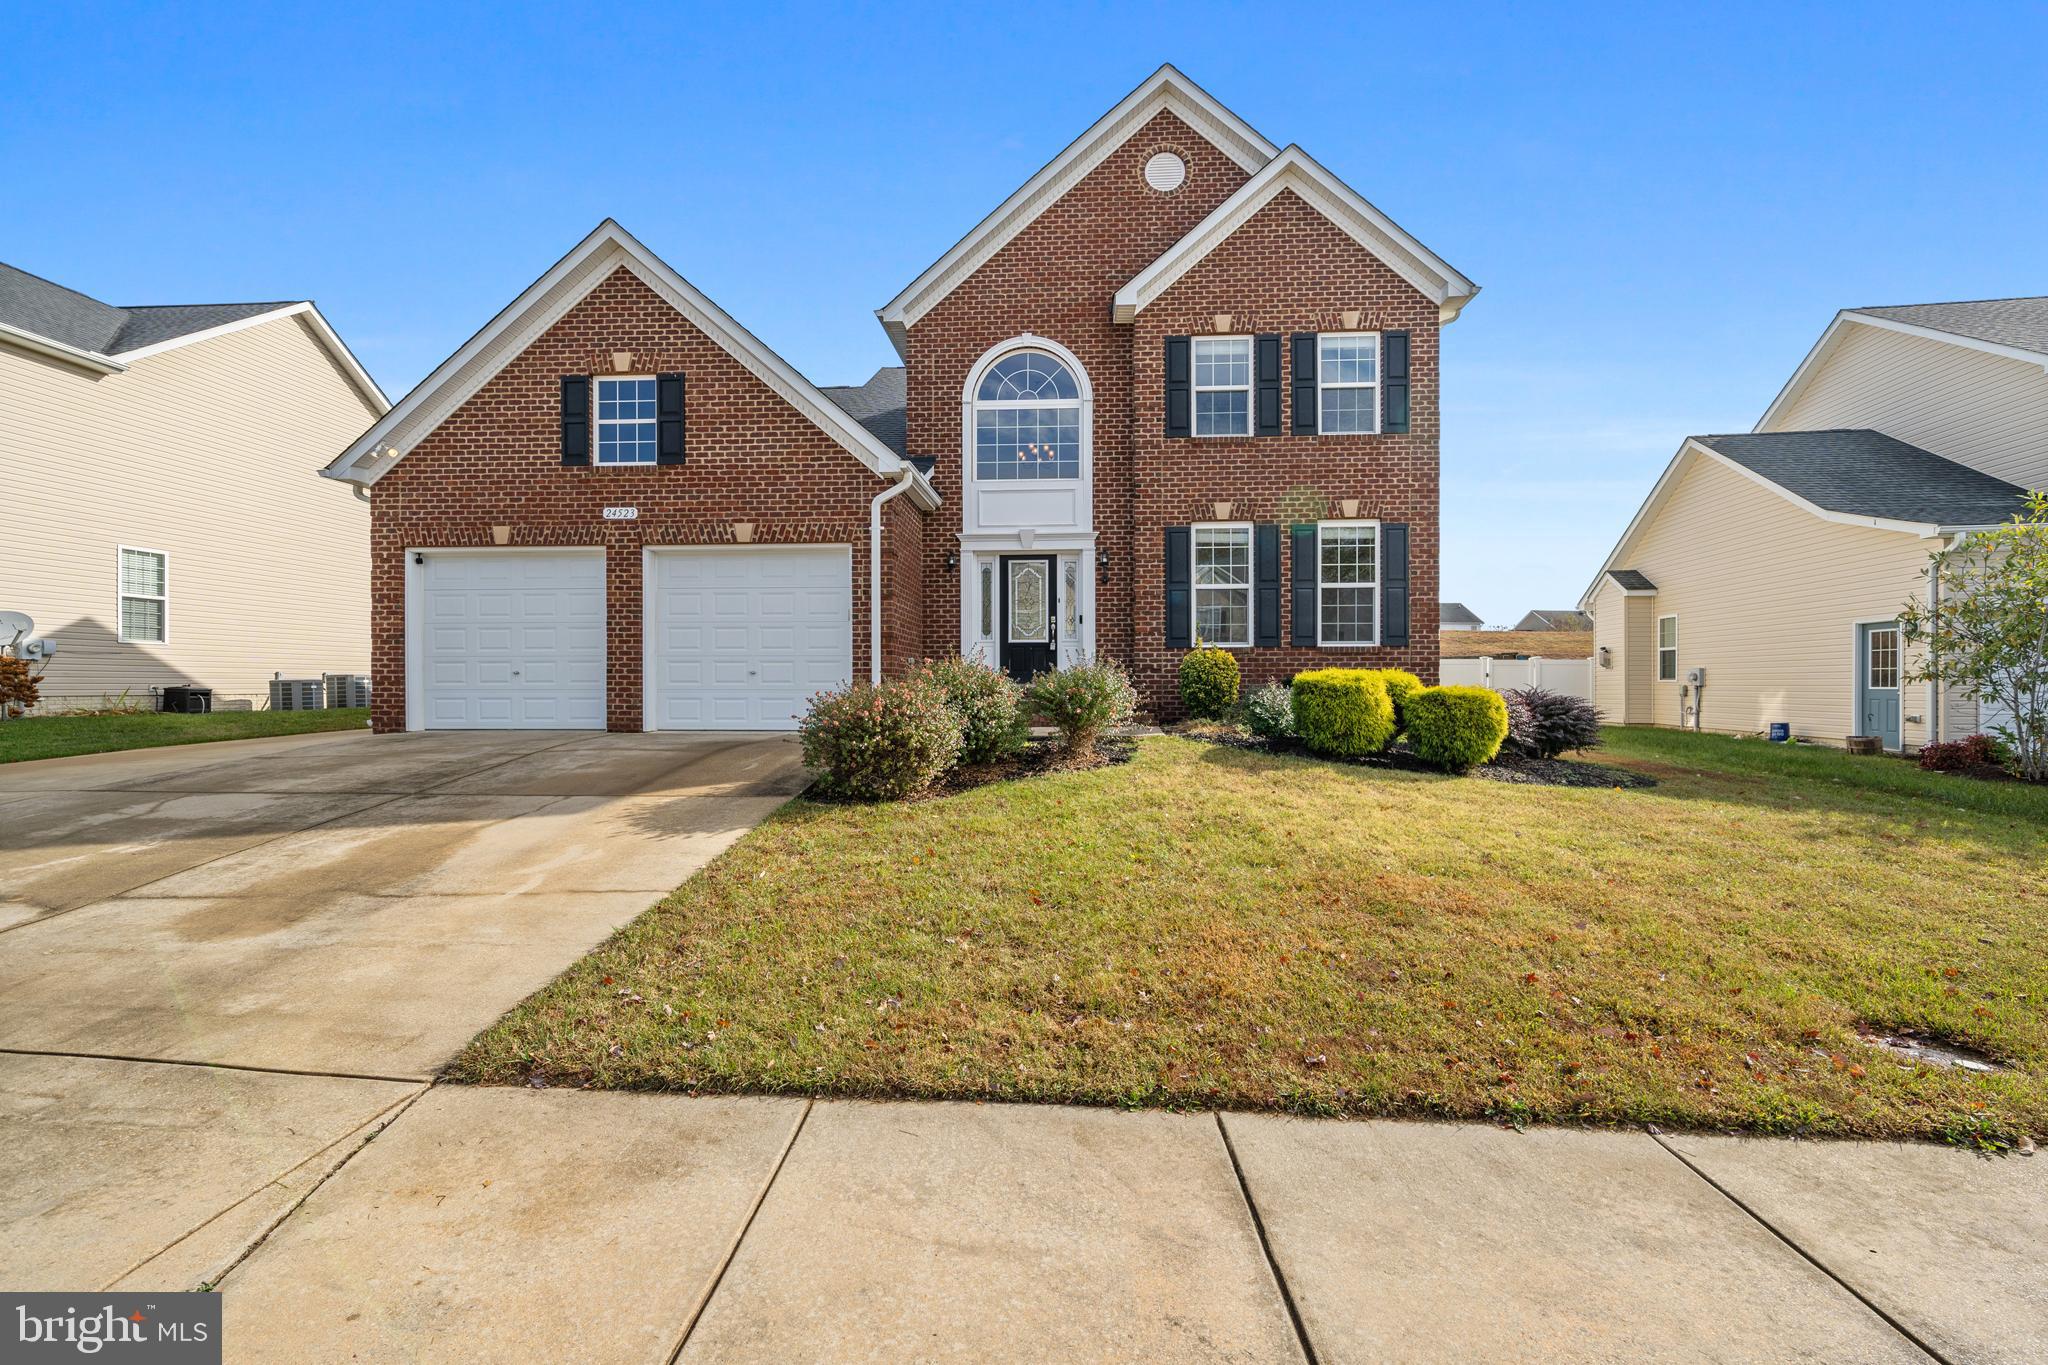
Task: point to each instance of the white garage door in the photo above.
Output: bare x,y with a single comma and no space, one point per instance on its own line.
513,641
739,639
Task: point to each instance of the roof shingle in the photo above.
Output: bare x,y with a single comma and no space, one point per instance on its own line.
2005,322
1865,473
880,405
34,304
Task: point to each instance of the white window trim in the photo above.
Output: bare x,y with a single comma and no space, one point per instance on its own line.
121,594
1377,623
1249,389
1661,647
598,424
977,404
1250,589
1379,360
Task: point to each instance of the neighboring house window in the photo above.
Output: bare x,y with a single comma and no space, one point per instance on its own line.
625,420
1347,583
1222,574
1027,420
1223,386
145,596
1667,649
1348,383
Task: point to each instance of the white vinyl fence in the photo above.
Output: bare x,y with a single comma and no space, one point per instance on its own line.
1573,677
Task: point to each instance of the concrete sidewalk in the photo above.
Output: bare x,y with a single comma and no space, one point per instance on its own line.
493,1224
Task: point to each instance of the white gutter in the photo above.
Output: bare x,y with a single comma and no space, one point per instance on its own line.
906,479
57,350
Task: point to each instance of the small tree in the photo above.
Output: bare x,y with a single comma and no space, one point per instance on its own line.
1986,632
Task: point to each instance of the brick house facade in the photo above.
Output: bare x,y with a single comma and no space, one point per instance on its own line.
615,506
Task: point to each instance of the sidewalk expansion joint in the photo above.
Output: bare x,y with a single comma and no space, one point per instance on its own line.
215,1066
1251,1205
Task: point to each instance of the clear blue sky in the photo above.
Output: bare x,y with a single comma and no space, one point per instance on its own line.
1665,206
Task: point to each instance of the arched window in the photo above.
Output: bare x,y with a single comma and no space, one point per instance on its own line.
1027,419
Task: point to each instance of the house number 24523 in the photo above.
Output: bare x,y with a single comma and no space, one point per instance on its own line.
622,514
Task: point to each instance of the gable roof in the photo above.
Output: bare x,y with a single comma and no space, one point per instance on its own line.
881,405
1294,169
1451,615
1632,580
1853,476
543,303
52,320
1164,89
1554,620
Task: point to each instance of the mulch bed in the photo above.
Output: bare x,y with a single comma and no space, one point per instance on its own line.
1541,772
1040,757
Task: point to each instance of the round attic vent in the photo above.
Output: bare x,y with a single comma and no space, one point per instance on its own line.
1166,172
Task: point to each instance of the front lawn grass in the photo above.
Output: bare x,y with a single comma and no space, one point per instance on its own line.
63,736
1207,926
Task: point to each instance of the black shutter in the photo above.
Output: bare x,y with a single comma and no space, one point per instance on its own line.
575,419
668,413
1179,634
1394,584
1266,575
1179,397
1266,375
1394,357
1304,383
1305,586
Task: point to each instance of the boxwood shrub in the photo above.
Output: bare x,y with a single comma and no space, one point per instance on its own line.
1208,682
881,743
990,704
1456,728
1342,712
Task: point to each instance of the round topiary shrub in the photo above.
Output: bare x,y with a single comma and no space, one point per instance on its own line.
1083,701
1208,682
1456,728
1342,712
989,702
1401,685
880,743
1269,712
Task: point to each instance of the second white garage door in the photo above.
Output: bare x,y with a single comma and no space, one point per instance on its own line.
739,638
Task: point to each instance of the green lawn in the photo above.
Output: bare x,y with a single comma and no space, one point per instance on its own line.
1209,926
62,736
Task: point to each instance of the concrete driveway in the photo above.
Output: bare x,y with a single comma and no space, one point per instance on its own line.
219,964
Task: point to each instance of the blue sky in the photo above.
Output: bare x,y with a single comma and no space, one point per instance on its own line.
1664,205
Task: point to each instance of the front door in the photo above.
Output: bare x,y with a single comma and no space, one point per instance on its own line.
1029,631
1877,682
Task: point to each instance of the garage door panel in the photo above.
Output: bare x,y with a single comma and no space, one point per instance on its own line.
743,638
515,641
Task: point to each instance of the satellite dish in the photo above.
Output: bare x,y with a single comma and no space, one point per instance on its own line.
15,626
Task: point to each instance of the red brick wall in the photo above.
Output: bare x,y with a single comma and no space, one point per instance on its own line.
497,461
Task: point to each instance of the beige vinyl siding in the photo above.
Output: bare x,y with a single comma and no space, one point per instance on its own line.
1985,411
210,453
1767,596
1622,626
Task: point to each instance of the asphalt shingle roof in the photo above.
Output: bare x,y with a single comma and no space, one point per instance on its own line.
879,405
2005,322
1555,620
1452,615
34,304
1869,474
1635,580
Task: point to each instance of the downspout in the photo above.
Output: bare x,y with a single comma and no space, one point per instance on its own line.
904,475
1933,647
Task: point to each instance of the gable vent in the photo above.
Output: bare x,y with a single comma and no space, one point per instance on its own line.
1166,172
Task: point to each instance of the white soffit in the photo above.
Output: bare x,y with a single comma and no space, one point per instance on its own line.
1296,170
1166,89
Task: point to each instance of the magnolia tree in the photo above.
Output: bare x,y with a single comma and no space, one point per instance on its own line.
1986,629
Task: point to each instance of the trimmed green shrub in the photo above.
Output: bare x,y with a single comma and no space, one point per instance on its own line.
1208,682
1083,701
1456,728
1401,685
1342,712
880,743
990,704
1543,724
1269,712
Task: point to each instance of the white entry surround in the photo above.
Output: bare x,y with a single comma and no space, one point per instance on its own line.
740,637
504,639
1040,516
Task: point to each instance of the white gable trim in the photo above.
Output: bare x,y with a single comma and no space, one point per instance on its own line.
1296,170
329,338
543,303
57,350
1668,480
1829,339
1165,89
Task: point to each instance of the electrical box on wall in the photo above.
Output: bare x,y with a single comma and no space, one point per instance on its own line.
1696,676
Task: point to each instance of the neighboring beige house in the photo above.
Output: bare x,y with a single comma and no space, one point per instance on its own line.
1775,562
165,518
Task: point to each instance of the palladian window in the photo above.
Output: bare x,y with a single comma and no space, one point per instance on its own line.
1027,420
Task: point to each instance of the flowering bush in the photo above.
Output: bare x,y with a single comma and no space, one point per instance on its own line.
1208,682
990,705
1269,712
881,743
1083,701
1543,724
